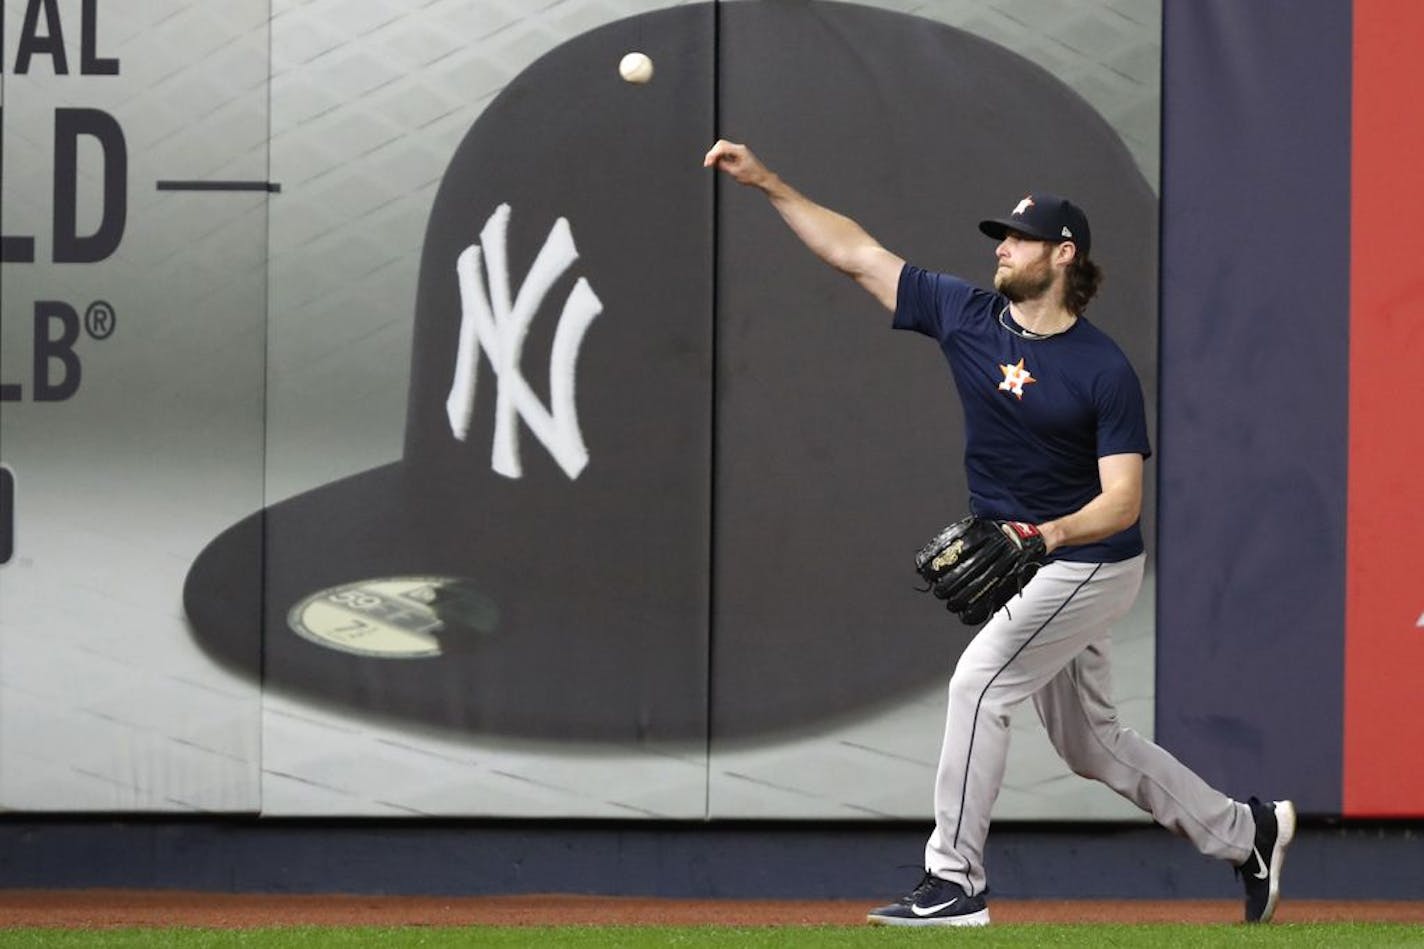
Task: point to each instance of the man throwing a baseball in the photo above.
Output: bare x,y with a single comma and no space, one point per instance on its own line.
1056,438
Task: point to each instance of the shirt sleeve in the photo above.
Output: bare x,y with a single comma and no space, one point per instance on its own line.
930,303
1122,417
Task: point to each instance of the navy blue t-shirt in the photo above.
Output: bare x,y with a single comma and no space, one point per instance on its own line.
1038,413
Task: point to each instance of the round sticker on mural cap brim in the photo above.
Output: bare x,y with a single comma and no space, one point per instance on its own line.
396,617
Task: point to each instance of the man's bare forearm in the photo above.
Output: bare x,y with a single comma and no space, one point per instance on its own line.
1115,509
831,236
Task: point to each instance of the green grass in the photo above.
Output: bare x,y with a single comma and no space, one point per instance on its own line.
1295,936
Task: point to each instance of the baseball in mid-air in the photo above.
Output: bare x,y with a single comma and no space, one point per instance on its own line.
636,68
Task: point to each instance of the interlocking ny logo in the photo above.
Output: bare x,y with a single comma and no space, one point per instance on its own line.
493,321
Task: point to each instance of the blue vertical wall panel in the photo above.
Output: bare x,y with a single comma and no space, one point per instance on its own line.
1254,393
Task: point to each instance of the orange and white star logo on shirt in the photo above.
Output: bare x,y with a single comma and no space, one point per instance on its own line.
1015,378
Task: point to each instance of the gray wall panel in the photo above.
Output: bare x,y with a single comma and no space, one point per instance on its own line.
105,703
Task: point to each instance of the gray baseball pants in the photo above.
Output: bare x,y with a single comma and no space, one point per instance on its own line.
1051,644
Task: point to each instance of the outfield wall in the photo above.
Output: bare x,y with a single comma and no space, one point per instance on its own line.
288,532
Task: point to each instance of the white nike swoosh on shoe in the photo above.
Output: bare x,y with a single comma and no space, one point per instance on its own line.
1260,863
931,910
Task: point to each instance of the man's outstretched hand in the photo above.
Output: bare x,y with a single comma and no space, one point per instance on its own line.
739,162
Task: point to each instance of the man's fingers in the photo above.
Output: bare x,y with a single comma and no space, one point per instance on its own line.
723,149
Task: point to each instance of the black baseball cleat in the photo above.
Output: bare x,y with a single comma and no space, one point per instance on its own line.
1261,873
934,902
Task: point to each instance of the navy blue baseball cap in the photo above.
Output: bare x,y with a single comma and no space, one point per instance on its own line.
1045,217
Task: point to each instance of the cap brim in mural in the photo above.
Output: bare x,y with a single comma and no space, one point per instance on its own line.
586,415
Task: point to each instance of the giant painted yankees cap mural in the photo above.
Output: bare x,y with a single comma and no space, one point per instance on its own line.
663,471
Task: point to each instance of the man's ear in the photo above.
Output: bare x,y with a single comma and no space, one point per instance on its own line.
1065,253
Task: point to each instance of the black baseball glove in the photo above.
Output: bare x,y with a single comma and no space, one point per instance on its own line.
976,565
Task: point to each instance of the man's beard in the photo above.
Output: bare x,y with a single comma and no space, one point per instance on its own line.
1027,284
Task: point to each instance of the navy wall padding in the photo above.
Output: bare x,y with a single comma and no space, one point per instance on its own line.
1254,394
726,860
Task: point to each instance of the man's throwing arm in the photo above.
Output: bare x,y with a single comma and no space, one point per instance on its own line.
831,236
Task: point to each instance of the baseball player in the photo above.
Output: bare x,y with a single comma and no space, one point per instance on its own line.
1056,438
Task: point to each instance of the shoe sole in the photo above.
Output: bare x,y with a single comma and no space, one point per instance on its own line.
980,918
1285,832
